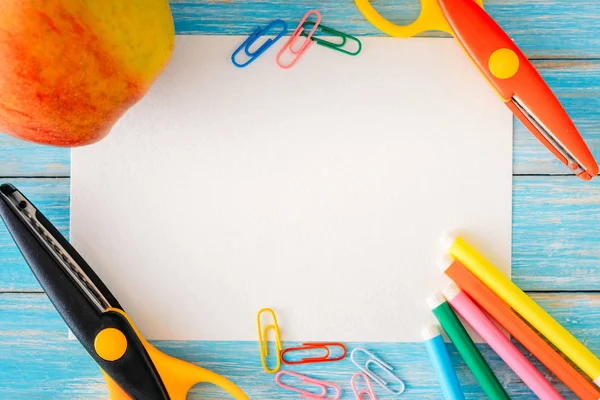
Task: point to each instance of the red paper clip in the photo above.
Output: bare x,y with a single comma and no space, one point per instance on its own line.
312,346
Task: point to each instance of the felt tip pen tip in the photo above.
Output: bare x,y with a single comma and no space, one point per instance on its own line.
444,261
429,332
448,239
435,301
451,291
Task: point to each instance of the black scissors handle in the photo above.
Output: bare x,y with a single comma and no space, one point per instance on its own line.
133,370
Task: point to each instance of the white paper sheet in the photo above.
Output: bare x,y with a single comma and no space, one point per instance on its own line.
319,191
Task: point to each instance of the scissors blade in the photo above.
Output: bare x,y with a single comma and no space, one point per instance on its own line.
567,157
80,297
518,84
64,257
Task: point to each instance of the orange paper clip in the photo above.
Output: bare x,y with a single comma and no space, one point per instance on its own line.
305,394
289,45
312,346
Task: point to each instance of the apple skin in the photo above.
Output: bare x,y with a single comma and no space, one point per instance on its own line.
70,69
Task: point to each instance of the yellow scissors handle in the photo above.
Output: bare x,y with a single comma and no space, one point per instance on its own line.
178,376
431,18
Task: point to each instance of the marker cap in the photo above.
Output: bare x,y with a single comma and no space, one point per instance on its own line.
435,301
430,332
447,239
444,261
451,291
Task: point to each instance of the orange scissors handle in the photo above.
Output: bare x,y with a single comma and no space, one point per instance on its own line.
177,375
518,84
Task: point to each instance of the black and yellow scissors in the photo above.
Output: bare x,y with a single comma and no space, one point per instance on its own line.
133,368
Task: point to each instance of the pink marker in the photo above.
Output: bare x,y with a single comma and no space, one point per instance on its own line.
500,344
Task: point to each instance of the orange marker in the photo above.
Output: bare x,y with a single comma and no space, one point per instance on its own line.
502,313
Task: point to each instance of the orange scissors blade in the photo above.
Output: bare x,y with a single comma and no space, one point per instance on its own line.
519,84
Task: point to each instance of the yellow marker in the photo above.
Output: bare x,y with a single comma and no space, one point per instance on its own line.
526,307
263,342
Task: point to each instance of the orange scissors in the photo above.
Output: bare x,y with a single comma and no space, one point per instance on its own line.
512,76
132,367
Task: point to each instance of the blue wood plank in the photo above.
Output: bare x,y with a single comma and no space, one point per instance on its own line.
542,23
51,196
577,84
556,245
553,28
19,158
37,360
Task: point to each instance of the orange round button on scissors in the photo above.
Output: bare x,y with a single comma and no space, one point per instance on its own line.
512,76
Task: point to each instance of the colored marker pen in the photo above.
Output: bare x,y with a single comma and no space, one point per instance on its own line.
466,348
442,365
500,344
505,316
524,305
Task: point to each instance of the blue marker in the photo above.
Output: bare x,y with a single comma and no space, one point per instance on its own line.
442,365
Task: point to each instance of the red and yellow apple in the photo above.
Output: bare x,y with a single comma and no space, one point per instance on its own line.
69,69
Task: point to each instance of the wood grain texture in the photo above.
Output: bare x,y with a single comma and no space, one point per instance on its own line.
555,233
51,196
19,158
556,245
542,28
37,361
576,83
555,241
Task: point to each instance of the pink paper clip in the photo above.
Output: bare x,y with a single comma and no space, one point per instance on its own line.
304,394
369,391
292,40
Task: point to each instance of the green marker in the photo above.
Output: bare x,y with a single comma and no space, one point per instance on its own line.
466,348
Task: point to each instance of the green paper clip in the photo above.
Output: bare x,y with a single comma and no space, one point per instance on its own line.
332,32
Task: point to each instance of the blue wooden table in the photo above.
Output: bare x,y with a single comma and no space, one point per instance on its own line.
556,217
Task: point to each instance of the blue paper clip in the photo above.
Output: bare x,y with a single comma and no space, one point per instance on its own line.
385,367
257,34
